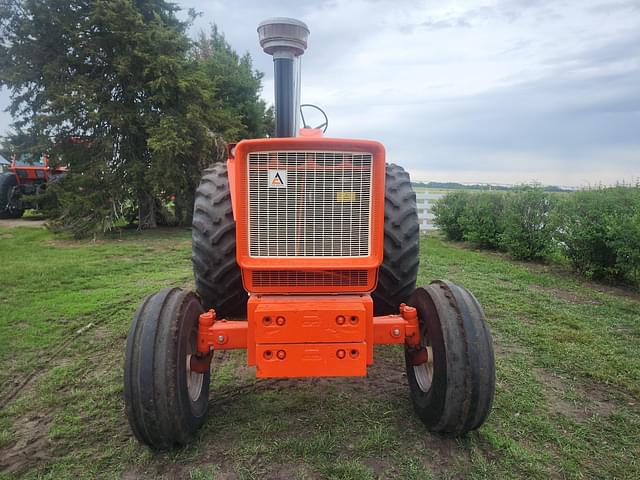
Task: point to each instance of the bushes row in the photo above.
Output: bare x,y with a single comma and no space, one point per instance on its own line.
597,231
518,222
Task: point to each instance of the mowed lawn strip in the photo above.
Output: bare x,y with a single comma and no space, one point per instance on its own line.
566,403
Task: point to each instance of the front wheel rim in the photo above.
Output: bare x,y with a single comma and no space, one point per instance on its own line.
424,372
195,381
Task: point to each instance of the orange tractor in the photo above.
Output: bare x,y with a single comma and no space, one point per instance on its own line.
314,241
27,177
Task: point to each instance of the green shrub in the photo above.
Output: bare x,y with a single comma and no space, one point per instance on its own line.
599,232
481,220
527,227
624,231
596,231
447,213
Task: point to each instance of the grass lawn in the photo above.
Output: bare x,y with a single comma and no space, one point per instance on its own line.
568,377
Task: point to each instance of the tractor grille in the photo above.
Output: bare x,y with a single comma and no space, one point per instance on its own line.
309,204
320,278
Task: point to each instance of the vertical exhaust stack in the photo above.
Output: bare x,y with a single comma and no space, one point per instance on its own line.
286,40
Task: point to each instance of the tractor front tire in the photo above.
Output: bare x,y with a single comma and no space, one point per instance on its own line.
399,271
10,206
166,402
453,390
217,274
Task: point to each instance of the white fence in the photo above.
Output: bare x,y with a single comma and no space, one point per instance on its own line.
425,201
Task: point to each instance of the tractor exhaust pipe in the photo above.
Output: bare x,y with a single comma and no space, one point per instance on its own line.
286,40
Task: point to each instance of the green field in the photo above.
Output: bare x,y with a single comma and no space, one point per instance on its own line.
568,377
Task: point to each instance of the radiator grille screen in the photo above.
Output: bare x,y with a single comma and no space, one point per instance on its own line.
298,278
309,204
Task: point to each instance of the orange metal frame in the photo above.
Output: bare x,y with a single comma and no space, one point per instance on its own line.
237,169
308,336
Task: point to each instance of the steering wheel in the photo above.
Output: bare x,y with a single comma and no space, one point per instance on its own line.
323,125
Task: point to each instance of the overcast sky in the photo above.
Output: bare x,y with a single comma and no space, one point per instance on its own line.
498,91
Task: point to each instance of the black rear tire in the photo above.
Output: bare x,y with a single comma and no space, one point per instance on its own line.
452,393
217,274
166,403
10,205
399,271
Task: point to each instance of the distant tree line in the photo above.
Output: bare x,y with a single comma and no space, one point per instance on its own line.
481,186
596,231
117,90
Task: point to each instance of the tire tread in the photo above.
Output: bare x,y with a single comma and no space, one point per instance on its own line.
217,275
156,412
399,270
467,375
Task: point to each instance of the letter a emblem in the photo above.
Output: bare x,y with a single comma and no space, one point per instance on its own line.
277,179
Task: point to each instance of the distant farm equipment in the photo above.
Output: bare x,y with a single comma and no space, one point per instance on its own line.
26,179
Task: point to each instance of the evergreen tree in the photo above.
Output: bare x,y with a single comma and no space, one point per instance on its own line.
116,89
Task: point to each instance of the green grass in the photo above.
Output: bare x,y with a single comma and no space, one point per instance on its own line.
568,378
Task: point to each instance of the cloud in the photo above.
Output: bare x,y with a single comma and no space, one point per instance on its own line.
432,24
615,7
562,130
489,90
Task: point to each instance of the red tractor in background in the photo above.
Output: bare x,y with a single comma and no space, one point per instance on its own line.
28,177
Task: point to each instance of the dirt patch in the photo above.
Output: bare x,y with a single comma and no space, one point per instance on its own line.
21,386
101,334
501,350
615,291
563,272
220,471
503,347
526,319
589,401
378,466
385,378
227,475
288,471
22,222
245,373
566,295
31,448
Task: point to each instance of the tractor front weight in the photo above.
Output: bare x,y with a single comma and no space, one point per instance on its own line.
308,335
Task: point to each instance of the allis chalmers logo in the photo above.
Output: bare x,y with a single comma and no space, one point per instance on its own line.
277,179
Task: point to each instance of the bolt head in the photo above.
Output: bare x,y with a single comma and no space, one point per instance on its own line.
395,332
221,338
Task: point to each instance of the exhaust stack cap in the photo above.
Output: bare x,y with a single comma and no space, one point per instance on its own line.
282,36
